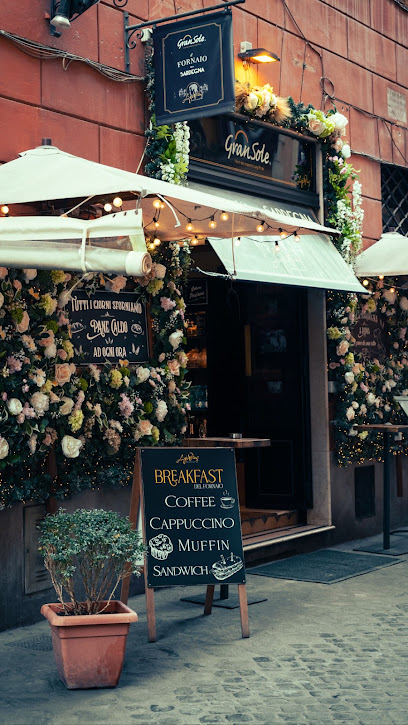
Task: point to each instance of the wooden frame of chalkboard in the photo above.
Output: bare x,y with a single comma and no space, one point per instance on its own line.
190,520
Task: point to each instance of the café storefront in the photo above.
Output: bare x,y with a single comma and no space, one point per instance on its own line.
256,333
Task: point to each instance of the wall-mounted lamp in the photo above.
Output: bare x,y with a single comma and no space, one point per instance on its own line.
249,54
63,11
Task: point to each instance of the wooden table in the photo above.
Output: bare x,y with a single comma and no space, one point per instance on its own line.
386,430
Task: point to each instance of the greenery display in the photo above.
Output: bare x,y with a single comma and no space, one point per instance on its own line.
91,416
365,388
87,554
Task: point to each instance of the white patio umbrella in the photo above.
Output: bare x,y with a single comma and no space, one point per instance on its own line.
388,256
46,173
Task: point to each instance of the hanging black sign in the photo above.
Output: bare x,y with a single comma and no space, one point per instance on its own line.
371,337
194,68
192,523
196,292
108,327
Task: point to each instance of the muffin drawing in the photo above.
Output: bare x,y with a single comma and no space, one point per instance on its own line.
160,546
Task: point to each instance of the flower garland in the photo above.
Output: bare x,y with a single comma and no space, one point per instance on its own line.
365,389
168,147
91,416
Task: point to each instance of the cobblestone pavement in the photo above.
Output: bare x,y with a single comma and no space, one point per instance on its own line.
317,654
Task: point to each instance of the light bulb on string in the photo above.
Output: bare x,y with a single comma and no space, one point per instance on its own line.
260,227
238,241
224,216
297,237
156,223
380,276
365,282
107,207
277,247
4,209
194,240
117,202
212,223
392,290
189,226
156,242
157,204
282,233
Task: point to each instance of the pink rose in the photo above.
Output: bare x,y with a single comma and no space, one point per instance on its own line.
24,324
3,272
63,373
342,347
17,284
174,367
117,284
62,354
167,304
145,427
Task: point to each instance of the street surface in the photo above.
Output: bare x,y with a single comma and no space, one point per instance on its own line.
317,654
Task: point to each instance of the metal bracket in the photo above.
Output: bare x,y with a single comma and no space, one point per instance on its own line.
130,30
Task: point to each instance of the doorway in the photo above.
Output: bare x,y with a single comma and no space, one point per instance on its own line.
258,385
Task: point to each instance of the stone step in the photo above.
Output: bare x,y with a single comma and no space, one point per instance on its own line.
255,521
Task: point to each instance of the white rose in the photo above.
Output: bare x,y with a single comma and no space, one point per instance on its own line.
340,122
175,339
4,448
349,378
338,144
161,410
142,374
32,443
251,102
71,446
160,271
350,414
29,274
40,403
67,405
346,151
14,406
353,432
370,398
51,350
315,126
389,296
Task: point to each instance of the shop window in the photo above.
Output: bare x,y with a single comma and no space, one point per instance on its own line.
364,487
394,197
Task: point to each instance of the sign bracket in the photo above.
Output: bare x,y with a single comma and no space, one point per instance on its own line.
130,30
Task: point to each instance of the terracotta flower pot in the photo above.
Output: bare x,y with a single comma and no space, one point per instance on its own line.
89,649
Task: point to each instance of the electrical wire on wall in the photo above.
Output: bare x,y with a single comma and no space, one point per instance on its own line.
46,52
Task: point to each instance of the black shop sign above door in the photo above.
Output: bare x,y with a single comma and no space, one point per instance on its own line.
108,327
194,68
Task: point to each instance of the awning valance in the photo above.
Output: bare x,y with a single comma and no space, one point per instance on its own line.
312,262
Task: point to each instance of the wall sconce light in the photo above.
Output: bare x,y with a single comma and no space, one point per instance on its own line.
63,11
255,55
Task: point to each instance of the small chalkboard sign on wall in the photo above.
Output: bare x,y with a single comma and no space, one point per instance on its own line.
192,522
108,327
370,333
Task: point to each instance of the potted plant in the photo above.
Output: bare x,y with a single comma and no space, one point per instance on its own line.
88,553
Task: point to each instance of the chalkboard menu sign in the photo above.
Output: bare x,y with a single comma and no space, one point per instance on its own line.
108,327
192,523
371,336
194,68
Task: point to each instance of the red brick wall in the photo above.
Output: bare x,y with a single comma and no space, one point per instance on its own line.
358,45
